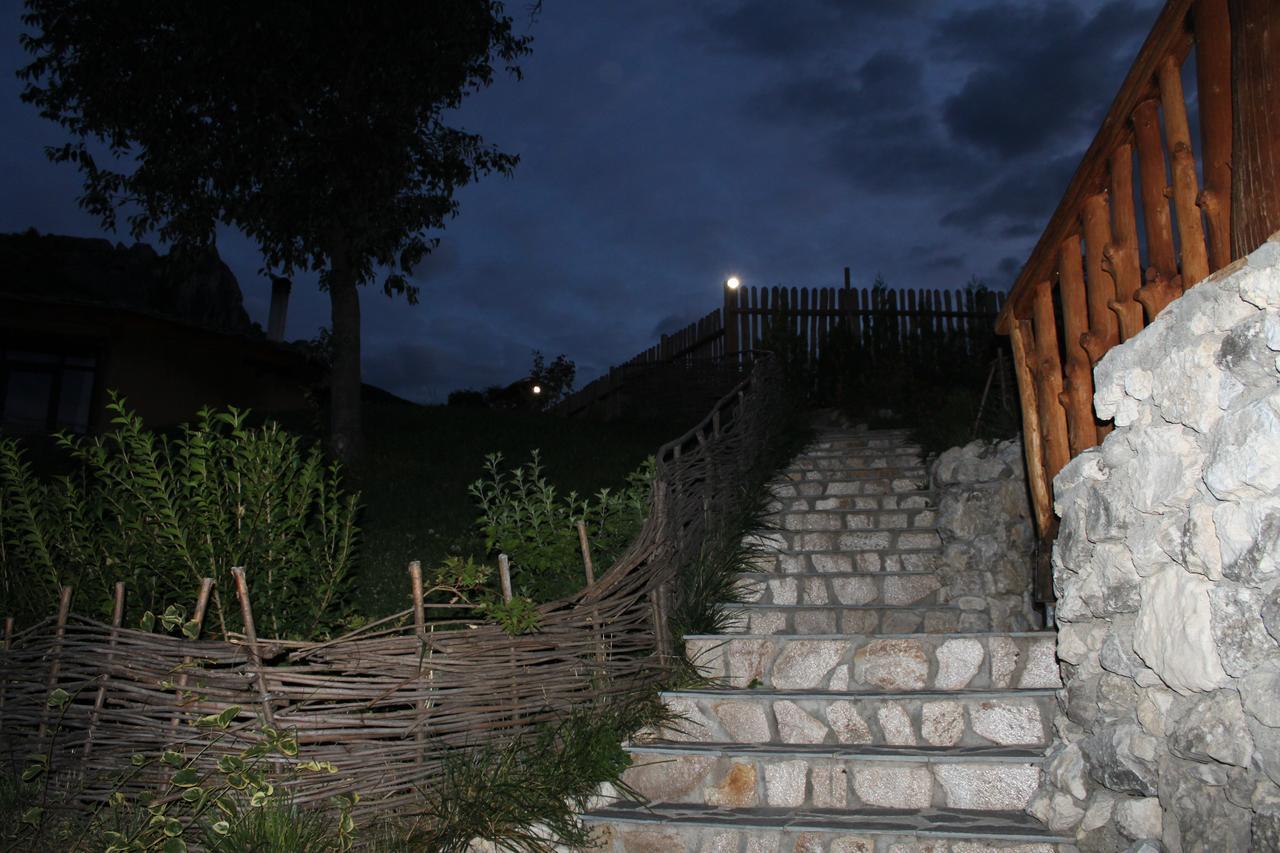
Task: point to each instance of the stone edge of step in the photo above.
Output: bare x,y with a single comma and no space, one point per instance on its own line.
1043,635
853,695
845,752
857,821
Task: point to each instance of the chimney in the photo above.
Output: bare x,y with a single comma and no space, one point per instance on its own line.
280,287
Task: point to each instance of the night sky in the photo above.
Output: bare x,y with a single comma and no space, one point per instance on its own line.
669,143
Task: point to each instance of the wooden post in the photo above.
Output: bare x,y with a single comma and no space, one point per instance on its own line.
419,630
586,547
1121,254
8,645
1155,204
659,627
202,605
1255,139
1195,255
504,577
1042,503
100,700
251,637
1053,421
1213,93
64,608
1104,325
1077,398
729,320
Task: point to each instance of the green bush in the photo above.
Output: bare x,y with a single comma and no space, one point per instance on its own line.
160,513
523,517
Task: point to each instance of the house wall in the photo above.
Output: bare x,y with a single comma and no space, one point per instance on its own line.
1168,583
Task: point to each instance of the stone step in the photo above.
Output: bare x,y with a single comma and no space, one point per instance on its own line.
670,828
994,778
851,619
815,490
845,460
903,662
869,504
836,518
845,474
834,561
808,541
844,587
950,718
833,484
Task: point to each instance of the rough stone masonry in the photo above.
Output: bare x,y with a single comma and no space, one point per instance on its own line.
1168,583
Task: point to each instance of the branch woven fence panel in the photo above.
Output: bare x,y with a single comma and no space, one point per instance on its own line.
387,703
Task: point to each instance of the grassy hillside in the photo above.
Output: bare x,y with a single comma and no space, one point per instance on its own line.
422,458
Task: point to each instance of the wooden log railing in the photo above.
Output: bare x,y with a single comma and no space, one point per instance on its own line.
1093,281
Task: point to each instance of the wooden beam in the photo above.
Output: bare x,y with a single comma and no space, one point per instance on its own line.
1020,337
1213,93
1162,285
1077,396
1121,254
1104,326
1053,418
1255,142
1186,188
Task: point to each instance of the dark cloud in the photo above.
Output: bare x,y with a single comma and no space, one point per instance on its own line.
668,144
762,28
1041,74
1020,201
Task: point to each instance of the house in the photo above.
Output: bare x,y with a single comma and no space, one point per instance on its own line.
82,317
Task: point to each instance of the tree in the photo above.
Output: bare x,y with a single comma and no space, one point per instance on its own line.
317,128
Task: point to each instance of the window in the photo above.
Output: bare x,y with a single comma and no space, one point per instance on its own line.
43,391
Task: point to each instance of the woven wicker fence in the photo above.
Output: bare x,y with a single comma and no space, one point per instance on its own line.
387,703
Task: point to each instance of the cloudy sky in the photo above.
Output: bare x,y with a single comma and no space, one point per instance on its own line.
669,143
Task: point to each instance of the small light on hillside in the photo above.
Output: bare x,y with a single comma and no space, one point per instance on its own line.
537,389
733,282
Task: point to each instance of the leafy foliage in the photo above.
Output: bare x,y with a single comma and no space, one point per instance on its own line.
161,513
500,791
555,379
523,516
239,803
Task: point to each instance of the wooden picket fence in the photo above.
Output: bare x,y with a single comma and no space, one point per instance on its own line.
709,354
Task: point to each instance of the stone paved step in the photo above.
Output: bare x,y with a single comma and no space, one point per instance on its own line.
814,490
950,718
833,561
855,461
834,777
849,619
903,662
664,828
848,541
838,519
871,504
840,587
816,485
917,476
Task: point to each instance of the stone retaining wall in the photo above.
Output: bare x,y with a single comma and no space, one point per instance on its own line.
984,519
1168,584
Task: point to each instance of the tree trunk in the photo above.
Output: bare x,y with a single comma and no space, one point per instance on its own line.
346,433
1255,146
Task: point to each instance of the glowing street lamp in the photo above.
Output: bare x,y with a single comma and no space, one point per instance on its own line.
733,282
537,389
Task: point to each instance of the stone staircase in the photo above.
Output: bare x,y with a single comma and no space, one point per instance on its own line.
857,710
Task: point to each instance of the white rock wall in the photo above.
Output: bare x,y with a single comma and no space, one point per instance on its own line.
984,519
1168,584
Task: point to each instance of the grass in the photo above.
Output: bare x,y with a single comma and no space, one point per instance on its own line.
422,458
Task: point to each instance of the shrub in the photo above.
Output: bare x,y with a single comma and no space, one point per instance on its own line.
523,517
160,513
